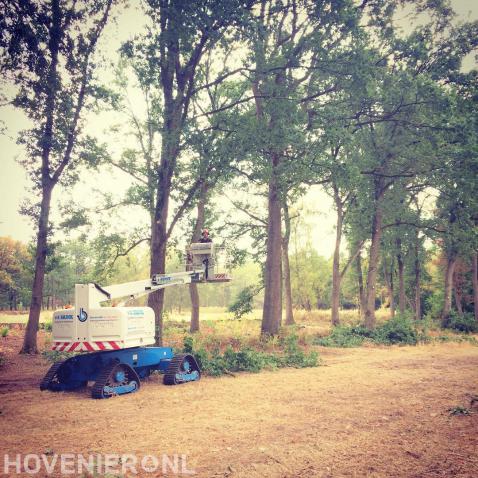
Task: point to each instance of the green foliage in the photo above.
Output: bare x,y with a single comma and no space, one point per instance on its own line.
248,359
4,332
399,330
434,304
310,277
56,355
461,323
345,336
15,273
244,302
47,326
295,356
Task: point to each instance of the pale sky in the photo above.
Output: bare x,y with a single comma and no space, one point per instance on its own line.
14,184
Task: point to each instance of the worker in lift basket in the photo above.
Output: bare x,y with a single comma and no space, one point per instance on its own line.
205,236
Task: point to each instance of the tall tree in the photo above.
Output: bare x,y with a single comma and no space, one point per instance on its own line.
290,42
48,53
174,45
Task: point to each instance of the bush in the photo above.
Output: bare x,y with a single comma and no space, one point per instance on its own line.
345,336
398,330
295,356
461,323
56,355
4,332
247,359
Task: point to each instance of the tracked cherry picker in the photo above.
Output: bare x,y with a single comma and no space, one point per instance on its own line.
115,340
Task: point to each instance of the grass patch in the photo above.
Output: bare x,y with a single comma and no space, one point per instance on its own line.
4,331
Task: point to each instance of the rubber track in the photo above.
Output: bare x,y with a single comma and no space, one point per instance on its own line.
175,366
50,375
97,390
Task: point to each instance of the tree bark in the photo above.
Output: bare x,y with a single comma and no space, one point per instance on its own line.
373,265
388,277
450,269
418,273
457,294
402,300
159,233
474,279
289,312
336,276
55,33
193,288
169,152
361,291
272,309
30,338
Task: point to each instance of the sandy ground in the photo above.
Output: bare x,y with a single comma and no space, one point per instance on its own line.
376,412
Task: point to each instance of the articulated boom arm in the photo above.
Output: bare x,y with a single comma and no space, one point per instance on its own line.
133,290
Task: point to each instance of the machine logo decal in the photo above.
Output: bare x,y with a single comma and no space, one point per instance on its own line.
82,316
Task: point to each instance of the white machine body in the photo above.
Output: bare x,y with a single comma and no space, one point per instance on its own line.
88,326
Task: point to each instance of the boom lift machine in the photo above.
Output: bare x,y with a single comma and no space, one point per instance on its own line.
117,338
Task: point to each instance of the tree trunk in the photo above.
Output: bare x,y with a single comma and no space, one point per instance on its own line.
373,266
30,338
418,273
450,269
159,234
193,288
457,294
289,312
272,309
362,301
388,277
336,276
474,271
402,300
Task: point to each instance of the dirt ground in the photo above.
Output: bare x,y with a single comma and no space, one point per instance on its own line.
376,412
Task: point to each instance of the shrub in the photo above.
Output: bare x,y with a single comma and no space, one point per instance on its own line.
247,359
345,336
461,323
398,330
295,356
56,355
4,332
